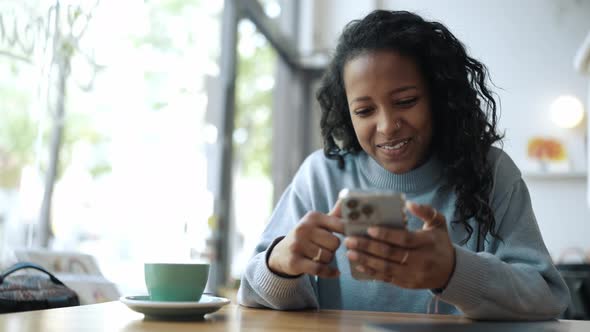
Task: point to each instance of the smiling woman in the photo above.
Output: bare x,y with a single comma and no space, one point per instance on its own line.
405,109
390,109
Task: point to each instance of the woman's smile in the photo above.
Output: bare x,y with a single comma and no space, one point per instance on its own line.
395,150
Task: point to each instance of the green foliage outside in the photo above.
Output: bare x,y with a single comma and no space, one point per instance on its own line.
254,111
21,122
19,129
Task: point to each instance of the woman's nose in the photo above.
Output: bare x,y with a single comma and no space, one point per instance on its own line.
388,124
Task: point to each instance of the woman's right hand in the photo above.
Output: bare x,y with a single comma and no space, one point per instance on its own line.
297,253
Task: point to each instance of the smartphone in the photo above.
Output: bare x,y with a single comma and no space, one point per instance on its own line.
362,209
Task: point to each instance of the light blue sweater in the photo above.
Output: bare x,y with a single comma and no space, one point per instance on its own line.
509,279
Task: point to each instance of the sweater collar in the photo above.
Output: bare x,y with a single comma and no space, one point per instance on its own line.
424,177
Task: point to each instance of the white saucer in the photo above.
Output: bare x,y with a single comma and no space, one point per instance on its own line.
189,310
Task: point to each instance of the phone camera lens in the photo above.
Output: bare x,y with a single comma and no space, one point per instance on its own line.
367,210
353,203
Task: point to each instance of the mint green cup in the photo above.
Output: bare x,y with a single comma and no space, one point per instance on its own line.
175,282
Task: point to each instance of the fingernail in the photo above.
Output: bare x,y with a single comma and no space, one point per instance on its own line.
351,242
360,268
411,205
352,255
373,231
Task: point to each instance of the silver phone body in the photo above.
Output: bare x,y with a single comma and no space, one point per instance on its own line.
362,209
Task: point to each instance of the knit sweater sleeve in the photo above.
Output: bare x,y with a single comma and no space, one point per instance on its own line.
260,287
514,278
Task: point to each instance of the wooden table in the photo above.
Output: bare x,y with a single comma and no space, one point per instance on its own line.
114,316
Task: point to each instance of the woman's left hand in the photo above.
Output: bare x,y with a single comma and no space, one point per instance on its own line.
420,259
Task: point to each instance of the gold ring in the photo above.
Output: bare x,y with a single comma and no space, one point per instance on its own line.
405,258
317,256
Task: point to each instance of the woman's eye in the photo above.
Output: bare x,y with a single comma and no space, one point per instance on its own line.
362,112
407,102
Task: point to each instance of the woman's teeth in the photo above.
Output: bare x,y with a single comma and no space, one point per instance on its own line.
395,147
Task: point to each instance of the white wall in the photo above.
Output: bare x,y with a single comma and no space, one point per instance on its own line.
528,46
323,20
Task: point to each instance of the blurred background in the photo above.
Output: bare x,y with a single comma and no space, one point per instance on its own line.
165,130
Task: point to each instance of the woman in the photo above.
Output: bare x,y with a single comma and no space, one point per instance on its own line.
404,108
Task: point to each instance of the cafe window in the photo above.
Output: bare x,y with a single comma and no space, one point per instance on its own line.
132,172
252,139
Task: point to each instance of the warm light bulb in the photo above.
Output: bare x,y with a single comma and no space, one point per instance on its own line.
567,111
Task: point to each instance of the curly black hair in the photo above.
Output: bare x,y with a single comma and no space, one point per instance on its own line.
462,106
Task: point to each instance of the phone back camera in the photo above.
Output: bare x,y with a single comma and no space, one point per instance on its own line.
367,210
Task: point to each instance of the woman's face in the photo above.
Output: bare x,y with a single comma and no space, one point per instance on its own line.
390,109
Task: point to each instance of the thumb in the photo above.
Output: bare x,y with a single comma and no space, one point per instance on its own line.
336,210
336,213
431,218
